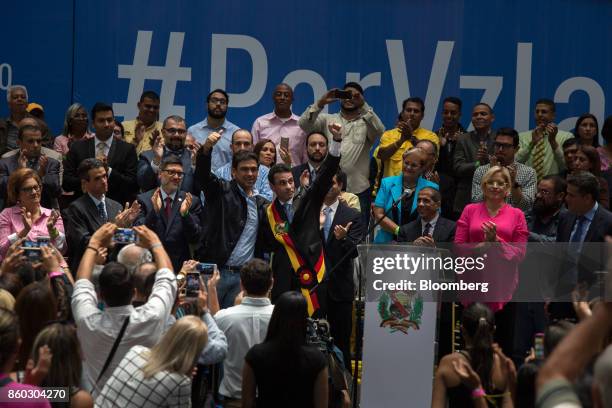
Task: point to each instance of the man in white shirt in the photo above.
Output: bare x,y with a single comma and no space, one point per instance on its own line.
96,329
245,325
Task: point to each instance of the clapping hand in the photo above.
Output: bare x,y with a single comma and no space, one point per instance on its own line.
129,214
340,232
186,205
336,131
490,230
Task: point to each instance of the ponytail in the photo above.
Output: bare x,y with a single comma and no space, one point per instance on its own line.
479,324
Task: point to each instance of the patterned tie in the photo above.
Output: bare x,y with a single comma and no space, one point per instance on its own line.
101,150
102,211
538,159
168,208
289,211
328,222
427,231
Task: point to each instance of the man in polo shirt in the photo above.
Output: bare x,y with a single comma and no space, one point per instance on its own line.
362,128
245,325
145,128
217,103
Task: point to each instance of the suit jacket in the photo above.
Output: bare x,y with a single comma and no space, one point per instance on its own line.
81,220
148,180
297,172
464,165
304,231
444,231
51,187
177,232
341,287
592,257
122,185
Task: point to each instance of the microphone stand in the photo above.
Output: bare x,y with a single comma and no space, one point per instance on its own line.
359,303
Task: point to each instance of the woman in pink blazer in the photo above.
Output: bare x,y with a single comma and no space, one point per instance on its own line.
497,230
25,218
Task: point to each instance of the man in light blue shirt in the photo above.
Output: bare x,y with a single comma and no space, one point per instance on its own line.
217,104
242,140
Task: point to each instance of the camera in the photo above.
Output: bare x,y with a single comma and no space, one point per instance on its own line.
31,250
206,268
192,286
124,236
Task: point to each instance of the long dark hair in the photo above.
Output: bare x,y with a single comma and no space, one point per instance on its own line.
288,322
479,323
580,120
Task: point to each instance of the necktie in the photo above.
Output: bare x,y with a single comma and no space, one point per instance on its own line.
427,230
328,221
313,176
102,211
101,149
168,208
538,159
579,230
289,211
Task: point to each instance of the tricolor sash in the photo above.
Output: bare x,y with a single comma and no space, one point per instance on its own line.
280,229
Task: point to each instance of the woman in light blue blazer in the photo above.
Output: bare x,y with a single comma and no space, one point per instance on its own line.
392,188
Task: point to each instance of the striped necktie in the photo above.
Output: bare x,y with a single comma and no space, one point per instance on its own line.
538,158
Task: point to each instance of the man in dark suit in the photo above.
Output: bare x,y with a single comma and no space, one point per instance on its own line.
117,155
174,133
316,149
430,228
291,230
472,151
87,213
30,155
342,229
586,222
174,215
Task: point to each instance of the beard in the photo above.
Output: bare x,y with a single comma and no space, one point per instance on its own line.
315,159
215,115
540,208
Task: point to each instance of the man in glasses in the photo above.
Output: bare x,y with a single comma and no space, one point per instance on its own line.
174,132
145,129
524,180
173,214
217,103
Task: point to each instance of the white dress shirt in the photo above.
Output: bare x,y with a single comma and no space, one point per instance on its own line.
97,329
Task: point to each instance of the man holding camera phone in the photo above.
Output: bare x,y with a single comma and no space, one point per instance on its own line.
362,128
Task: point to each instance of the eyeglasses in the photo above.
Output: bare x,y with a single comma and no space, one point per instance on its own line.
173,173
502,146
30,190
217,101
545,193
175,130
496,184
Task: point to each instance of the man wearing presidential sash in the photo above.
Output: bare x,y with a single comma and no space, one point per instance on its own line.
291,230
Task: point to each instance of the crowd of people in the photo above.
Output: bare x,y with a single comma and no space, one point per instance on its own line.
139,257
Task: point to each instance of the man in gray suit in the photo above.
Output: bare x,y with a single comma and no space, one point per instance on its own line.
29,155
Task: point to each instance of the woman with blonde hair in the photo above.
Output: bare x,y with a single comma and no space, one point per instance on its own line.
160,376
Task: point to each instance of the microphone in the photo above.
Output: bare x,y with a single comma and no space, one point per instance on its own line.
405,193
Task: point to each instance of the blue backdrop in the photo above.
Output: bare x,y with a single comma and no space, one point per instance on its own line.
507,53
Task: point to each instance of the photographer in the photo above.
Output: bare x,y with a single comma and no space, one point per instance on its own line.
120,322
523,178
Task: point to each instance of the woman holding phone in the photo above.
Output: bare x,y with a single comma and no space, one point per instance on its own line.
24,217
